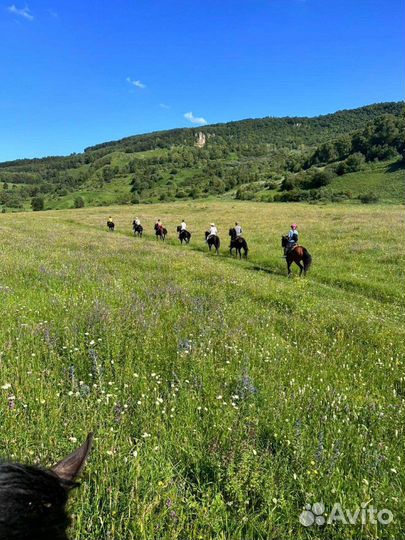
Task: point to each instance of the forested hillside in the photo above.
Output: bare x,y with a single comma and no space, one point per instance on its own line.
264,159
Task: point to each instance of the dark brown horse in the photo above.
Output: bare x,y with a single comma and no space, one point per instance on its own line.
33,499
184,236
213,240
138,229
296,254
110,226
160,232
238,243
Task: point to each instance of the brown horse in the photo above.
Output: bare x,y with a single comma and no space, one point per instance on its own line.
160,232
296,254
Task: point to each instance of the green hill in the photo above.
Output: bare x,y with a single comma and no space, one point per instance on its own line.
247,155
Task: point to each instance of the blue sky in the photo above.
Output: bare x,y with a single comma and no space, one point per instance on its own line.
75,73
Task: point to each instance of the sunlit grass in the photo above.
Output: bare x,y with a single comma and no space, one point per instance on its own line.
223,396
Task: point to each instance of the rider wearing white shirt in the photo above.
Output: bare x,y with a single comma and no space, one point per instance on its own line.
213,231
183,226
238,229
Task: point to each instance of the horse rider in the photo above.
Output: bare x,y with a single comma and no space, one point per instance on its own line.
183,226
212,232
238,229
158,225
136,222
292,239
109,220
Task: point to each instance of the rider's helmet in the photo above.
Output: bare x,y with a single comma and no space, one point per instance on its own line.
293,226
212,225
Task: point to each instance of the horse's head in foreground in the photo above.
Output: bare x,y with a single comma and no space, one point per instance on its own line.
33,499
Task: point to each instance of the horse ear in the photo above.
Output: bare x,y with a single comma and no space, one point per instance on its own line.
70,467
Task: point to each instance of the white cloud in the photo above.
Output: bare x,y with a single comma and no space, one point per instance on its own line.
164,106
195,119
21,12
136,83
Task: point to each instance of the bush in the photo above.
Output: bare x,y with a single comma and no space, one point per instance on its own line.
288,184
368,198
355,162
295,195
78,202
37,204
320,179
272,185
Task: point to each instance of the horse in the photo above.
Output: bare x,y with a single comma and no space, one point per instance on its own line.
296,254
160,232
138,230
238,243
184,236
110,226
33,499
213,240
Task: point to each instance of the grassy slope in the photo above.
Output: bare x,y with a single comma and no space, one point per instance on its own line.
387,180
94,336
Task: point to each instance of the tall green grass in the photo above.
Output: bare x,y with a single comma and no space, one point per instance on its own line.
224,397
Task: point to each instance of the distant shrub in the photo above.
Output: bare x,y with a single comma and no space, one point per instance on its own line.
295,195
271,185
320,179
37,204
288,184
369,198
266,197
78,202
353,163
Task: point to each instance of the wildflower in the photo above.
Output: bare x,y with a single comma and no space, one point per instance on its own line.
6,386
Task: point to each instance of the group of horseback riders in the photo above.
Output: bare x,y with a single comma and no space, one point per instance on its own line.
184,234
238,242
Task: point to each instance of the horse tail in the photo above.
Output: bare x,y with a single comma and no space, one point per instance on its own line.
307,258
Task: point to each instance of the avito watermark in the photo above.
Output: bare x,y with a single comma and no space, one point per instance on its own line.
315,515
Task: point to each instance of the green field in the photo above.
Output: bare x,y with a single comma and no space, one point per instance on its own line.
223,396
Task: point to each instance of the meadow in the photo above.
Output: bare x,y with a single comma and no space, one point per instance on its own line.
223,396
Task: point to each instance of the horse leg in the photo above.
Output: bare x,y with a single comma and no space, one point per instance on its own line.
289,268
300,265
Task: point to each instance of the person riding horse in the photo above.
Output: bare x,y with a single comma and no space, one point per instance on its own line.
110,224
184,234
237,241
212,238
212,232
137,227
292,239
160,230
